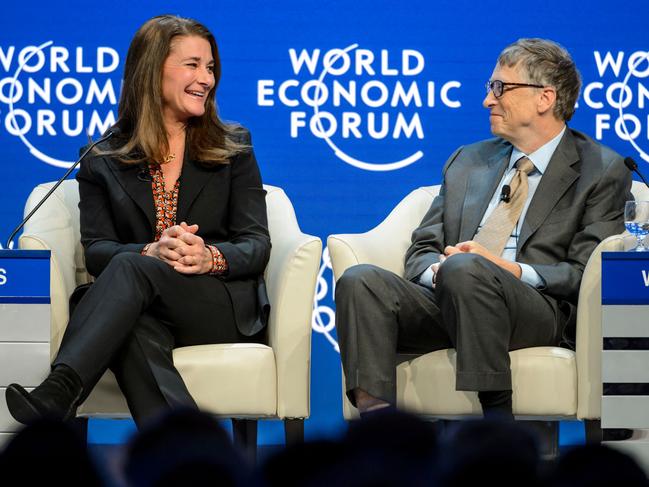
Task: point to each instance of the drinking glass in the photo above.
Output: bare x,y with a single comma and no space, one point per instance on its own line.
636,221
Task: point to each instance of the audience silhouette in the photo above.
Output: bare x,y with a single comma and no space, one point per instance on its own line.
48,452
184,447
385,449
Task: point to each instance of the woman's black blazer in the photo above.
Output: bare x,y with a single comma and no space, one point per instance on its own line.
226,201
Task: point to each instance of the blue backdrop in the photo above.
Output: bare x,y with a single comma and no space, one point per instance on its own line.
351,104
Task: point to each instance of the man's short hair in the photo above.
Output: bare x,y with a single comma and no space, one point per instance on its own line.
546,63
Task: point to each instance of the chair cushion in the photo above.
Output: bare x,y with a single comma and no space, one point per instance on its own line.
232,379
544,383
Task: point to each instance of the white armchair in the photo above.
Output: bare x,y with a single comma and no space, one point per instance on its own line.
243,381
549,383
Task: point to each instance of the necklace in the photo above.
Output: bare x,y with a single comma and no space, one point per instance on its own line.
168,158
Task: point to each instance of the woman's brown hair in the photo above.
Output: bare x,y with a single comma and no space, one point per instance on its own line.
140,120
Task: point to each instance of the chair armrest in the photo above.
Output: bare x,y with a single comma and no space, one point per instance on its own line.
589,329
385,245
291,277
51,228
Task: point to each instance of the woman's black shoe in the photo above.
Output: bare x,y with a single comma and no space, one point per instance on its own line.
56,398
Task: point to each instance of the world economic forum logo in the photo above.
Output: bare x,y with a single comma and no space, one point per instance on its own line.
323,317
50,94
620,98
351,98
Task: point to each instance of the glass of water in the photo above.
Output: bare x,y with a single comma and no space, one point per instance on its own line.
636,221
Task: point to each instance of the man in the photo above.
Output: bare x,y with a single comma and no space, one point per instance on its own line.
497,261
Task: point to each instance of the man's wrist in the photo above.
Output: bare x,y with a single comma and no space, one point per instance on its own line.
514,268
510,266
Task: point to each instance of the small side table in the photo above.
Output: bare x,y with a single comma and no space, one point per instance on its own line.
24,325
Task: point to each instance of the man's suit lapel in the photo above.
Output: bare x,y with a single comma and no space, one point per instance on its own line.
138,188
480,189
192,181
558,177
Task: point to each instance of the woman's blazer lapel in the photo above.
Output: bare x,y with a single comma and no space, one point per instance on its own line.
135,181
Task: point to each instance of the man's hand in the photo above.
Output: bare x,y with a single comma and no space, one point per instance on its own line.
472,247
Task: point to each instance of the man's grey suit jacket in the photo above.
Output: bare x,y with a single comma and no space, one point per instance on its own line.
579,202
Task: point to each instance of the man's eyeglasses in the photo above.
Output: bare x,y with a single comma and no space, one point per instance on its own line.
498,87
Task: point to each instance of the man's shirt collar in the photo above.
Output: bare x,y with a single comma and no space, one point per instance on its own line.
541,156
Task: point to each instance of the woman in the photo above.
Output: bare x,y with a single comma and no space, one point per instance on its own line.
173,224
